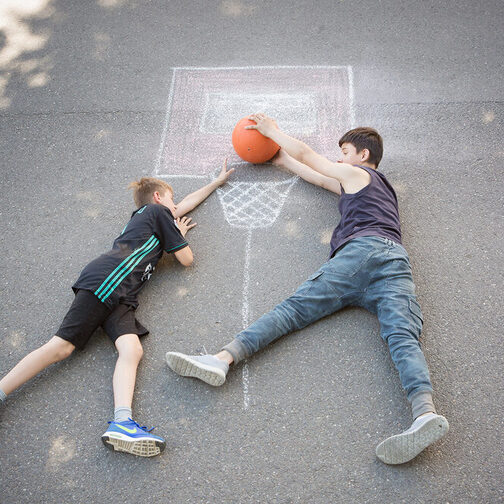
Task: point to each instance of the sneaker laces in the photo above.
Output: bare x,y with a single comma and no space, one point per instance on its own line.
143,427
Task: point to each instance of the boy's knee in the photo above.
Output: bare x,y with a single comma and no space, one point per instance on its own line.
60,348
138,351
130,348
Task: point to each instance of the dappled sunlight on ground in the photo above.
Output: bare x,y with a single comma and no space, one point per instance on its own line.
102,134
488,116
113,4
293,229
236,8
102,44
182,291
325,236
19,40
62,450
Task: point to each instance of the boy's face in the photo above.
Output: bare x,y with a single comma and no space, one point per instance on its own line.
166,200
351,156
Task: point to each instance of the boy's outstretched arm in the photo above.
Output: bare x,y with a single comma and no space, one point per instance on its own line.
344,173
192,200
283,160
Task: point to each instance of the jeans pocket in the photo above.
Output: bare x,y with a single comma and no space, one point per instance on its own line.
415,309
312,282
315,275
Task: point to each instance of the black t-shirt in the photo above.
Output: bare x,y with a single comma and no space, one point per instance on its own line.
118,275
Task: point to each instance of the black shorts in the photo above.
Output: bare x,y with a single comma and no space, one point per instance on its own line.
87,313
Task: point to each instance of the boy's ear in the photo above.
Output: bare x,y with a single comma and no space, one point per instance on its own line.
156,197
364,153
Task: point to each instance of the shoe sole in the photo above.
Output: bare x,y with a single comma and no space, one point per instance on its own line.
185,366
406,446
138,447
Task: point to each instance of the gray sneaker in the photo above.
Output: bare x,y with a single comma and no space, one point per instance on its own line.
205,367
407,445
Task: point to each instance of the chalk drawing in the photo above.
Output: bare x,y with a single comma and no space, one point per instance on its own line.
295,111
246,315
252,205
313,103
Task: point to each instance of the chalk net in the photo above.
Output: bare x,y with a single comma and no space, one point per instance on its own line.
252,205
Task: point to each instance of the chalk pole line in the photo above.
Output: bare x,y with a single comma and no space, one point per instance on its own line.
246,315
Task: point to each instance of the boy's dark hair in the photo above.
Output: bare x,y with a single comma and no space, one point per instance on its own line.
144,189
365,138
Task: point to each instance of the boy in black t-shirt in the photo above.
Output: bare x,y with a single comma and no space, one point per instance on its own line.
106,295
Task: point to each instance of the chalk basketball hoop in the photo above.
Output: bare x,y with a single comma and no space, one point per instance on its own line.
253,205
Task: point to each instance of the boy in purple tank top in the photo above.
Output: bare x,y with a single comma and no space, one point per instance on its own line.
367,267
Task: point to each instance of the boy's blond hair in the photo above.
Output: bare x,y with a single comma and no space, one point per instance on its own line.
144,189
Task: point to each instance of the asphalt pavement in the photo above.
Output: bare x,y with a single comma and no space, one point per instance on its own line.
85,96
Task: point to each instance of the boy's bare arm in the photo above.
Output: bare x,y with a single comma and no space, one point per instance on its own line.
283,159
344,173
185,255
192,200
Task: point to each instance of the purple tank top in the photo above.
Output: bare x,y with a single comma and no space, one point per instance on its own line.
372,211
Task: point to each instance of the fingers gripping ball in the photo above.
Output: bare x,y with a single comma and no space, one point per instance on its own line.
251,145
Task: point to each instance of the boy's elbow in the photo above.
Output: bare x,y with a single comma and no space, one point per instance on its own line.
304,152
188,262
185,257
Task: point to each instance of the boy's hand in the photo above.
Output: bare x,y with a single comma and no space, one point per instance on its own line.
184,225
264,124
224,174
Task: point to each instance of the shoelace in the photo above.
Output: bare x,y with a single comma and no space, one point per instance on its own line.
143,427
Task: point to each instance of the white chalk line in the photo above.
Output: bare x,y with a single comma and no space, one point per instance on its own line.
246,315
351,96
173,175
338,67
165,127
246,281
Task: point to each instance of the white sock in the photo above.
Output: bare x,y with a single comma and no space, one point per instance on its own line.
122,414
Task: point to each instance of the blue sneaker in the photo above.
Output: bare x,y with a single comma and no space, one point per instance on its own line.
129,437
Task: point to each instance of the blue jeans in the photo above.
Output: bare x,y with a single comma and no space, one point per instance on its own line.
370,272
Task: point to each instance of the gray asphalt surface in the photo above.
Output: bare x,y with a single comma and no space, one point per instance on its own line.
83,93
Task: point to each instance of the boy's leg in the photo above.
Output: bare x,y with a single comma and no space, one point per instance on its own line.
323,293
85,314
123,433
316,298
55,350
401,323
130,353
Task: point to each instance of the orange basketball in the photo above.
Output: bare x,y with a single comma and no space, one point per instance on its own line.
251,145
